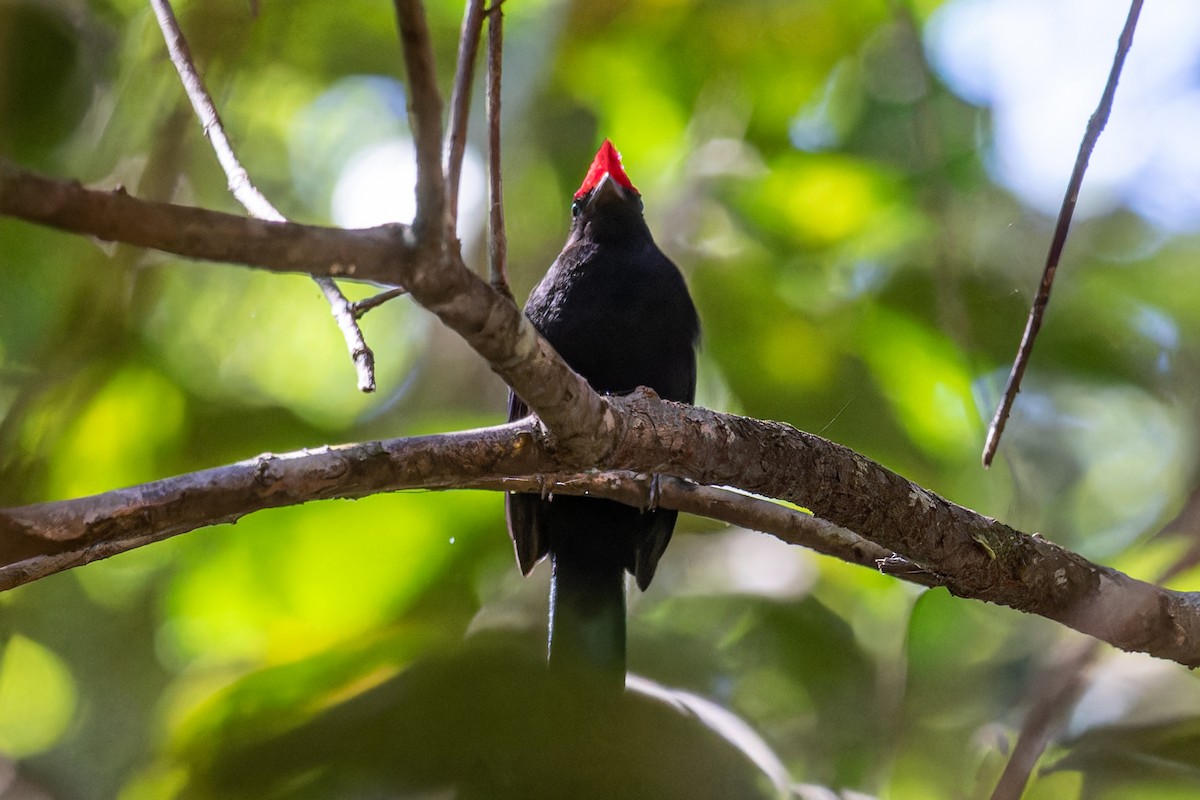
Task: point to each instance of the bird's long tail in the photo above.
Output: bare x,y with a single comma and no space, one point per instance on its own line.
587,615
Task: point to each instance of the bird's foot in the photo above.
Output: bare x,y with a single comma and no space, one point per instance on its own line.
655,492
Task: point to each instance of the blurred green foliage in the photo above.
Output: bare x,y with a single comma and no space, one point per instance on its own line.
858,275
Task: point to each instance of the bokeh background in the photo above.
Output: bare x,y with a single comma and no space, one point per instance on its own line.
860,194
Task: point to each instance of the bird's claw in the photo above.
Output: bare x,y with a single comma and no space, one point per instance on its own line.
655,492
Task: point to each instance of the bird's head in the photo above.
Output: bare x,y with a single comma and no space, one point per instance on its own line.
607,204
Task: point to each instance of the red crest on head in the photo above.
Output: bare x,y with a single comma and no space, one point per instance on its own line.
606,162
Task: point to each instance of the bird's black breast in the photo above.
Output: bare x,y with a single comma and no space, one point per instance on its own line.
621,317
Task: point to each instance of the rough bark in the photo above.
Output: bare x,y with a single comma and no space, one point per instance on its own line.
938,542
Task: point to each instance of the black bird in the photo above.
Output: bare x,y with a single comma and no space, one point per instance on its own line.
619,313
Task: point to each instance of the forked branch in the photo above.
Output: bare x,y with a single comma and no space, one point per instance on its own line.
247,193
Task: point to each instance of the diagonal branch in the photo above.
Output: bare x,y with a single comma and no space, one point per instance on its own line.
425,116
247,193
971,555
43,539
1034,324
1068,674
460,104
1056,690
491,324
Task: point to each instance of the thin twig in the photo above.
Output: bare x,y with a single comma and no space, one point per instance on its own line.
1057,688
424,116
244,190
347,322
181,56
460,105
497,238
1091,135
361,307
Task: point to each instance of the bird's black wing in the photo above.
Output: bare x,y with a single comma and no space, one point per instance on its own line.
523,512
652,540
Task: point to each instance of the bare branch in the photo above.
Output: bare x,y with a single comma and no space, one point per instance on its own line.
726,505
347,322
976,556
360,307
1056,689
246,192
497,238
56,536
1034,324
460,104
214,130
1063,680
972,555
382,254
489,322
42,539
425,116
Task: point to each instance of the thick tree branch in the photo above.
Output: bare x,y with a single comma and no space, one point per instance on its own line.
42,539
382,254
488,321
976,556
46,538
972,555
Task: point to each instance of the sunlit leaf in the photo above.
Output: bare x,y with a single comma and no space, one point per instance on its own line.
37,698
117,440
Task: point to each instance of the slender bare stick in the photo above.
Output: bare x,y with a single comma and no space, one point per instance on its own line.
1091,135
247,194
1060,684
497,238
1057,688
347,322
425,116
361,307
460,105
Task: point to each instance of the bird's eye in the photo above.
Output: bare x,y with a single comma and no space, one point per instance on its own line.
576,207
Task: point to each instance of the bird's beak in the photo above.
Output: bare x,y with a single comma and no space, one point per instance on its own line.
608,191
